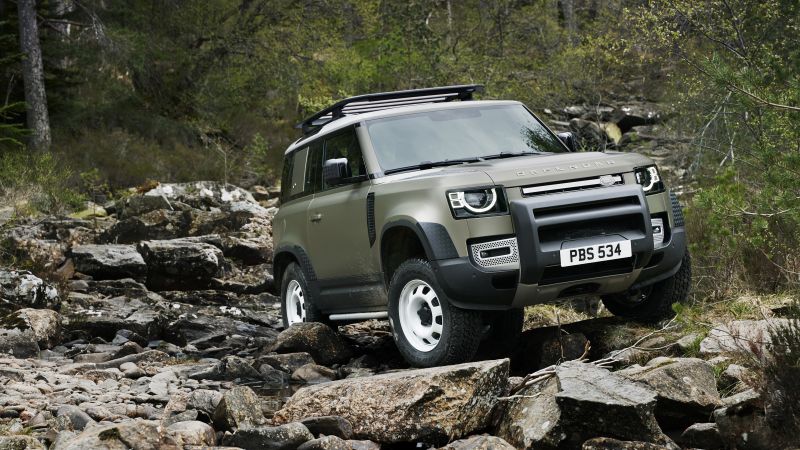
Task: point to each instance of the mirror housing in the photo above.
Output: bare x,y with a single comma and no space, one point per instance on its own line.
335,171
568,138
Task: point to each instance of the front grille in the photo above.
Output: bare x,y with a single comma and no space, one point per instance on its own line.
677,212
573,185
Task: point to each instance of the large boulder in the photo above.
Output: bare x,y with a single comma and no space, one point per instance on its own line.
579,402
481,442
433,405
181,263
112,261
45,324
317,339
104,317
21,289
686,389
192,432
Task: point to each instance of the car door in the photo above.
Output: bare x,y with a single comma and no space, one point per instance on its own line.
337,230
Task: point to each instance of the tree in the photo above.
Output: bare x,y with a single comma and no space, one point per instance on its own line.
33,76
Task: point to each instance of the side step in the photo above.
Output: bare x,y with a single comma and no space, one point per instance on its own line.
360,316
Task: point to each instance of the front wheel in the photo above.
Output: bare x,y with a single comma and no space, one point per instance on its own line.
653,303
428,330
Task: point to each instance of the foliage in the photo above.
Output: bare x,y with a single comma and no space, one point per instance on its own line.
35,182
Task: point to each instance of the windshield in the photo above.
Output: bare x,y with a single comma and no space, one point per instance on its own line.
457,134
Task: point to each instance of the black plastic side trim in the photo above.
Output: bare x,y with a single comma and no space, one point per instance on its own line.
677,212
371,232
441,245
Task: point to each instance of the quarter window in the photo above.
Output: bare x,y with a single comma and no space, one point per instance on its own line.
298,172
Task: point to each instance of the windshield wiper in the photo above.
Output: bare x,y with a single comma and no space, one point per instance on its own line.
431,164
511,154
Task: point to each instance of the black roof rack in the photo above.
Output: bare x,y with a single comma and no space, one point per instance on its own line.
384,100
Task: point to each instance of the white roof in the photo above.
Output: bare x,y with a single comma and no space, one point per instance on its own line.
391,112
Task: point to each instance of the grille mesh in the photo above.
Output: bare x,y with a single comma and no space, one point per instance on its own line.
677,212
493,261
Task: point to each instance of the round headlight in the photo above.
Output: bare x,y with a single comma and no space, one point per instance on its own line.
480,201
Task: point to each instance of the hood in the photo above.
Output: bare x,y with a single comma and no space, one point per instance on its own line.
539,169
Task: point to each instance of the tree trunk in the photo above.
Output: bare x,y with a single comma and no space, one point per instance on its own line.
33,76
570,23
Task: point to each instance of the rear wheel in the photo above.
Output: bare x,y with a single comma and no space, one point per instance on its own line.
428,329
653,303
297,302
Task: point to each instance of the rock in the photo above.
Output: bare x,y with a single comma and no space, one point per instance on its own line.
20,442
158,224
77,417
21,289
180,263
313,374
205,401
741,336
614,444
689,343
239,407
742,423
481,442
542,347
735,374
634,115
532,421
20,344
134,434
251,250
581,401
108,261
326,443
136,205
104,317
192,432
363,445
434,404
686,389
285,437
329,426
229,368
201,194
317,339
702,435
589,133
45,324
287,362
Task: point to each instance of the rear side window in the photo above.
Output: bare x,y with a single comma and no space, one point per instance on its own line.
345,145
298,186
314,168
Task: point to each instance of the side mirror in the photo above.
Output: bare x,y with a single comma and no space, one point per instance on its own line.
568,138
334,171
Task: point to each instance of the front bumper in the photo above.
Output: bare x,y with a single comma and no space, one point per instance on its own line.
544,225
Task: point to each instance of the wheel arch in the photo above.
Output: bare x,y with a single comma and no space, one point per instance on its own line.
402,239
287,255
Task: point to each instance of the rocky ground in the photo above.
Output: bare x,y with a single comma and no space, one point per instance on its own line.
157,327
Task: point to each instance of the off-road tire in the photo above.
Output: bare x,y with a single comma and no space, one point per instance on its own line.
654,302
460,335
504,331
294,272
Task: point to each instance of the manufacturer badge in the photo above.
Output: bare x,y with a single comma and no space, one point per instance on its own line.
607,180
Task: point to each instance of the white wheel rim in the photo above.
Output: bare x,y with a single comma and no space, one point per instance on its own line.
295,303
421,317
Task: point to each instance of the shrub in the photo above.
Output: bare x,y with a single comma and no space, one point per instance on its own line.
36,182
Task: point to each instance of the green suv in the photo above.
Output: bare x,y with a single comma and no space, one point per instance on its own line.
449,215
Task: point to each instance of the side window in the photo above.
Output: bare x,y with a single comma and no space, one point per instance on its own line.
298,182
286,178
314,168
345,145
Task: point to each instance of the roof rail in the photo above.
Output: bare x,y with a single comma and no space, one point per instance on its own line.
384,100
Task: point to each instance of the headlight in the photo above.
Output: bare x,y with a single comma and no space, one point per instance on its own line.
477,202
650,179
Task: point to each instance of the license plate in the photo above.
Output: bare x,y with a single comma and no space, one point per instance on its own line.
595,253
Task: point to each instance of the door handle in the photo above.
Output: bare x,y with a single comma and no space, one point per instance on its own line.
316,217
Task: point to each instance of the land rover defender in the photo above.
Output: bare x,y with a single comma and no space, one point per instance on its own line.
448,215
